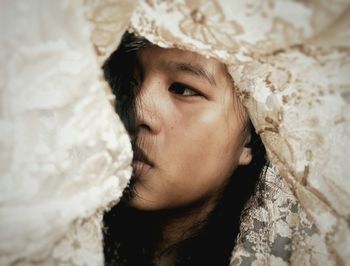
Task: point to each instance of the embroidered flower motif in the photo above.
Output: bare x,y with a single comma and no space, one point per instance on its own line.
205,22
109,19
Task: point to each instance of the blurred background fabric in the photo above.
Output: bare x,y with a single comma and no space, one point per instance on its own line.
65,156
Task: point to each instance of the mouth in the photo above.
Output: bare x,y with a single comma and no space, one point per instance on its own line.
141,164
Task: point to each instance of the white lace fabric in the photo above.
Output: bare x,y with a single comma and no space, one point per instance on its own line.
65,158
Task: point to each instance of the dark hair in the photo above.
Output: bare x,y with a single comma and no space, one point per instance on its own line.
129,234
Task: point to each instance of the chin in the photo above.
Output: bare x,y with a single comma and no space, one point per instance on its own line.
141,204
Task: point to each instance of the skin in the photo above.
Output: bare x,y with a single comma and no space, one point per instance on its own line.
193,130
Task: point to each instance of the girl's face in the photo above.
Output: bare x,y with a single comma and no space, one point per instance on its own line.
192,129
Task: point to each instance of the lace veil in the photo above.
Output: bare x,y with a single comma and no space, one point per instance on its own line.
65,156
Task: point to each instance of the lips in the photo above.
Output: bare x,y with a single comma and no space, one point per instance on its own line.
141,163
139,155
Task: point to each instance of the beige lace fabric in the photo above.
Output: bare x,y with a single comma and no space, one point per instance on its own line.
65,156
290,63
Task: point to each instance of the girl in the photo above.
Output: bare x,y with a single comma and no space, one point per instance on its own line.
196,160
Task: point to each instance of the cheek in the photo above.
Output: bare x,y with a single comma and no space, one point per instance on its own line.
197,151
205,156
201,173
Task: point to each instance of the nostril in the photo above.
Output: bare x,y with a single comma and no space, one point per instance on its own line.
145,127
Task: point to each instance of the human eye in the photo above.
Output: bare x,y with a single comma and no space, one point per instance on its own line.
183,90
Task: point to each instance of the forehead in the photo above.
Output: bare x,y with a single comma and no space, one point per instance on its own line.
173,59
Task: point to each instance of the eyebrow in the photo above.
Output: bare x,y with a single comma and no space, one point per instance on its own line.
193,69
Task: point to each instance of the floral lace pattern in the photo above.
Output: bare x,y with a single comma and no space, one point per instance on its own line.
65,158
289,62
278,232
205,22
108,19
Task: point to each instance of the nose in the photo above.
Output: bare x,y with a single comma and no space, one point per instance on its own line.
148,113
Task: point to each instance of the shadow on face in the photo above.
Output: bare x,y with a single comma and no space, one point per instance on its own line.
191,129
194,150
